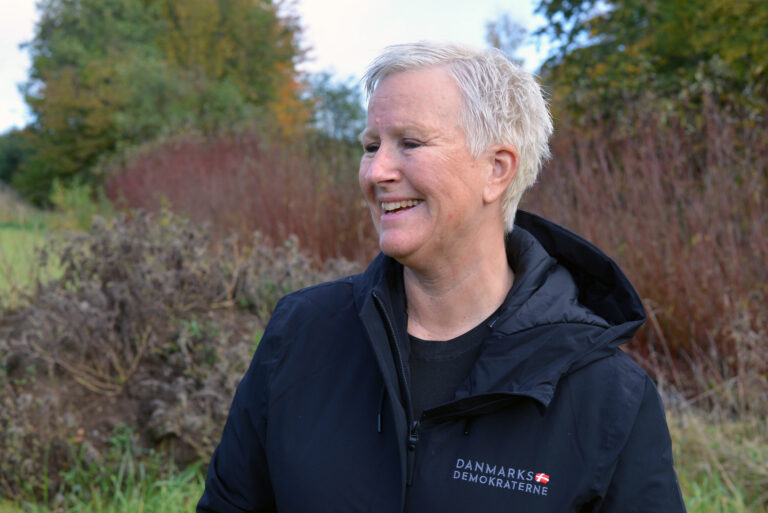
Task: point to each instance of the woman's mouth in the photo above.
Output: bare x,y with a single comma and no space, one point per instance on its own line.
391,207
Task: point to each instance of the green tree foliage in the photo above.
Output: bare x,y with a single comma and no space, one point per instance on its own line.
616,56
74,88
14,150
247,48
337,107
109,74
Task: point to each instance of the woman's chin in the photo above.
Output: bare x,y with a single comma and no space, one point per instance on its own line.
398,248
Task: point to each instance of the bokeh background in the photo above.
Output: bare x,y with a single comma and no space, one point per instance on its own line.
170,168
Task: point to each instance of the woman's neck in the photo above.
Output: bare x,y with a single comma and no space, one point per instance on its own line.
452,299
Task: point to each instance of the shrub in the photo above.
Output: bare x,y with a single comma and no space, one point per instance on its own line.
684,214
151,325
77,204
245,182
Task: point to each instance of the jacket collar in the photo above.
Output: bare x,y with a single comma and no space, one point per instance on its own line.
570,305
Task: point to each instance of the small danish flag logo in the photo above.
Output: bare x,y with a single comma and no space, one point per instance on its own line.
541,477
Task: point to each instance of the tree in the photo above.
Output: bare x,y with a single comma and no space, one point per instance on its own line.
612,57
14,150
72,89
337,107
249,45
109,74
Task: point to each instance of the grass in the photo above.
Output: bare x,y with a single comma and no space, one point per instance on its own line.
176,493
127,480
18,272
721,459
17,246
179,492
23,230
687,225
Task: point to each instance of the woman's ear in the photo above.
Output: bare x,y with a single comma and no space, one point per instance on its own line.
504,161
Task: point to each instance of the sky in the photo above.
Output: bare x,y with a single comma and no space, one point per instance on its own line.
343,36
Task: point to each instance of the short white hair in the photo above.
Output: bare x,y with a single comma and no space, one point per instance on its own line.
503,103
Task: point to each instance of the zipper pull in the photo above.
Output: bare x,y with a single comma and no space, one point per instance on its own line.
413,440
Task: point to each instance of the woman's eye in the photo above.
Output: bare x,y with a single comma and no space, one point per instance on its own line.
411,143
370,147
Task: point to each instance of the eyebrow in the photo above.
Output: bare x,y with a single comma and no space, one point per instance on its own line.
368,132
421,130
362,135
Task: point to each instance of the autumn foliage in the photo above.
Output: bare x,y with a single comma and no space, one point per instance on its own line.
110,74
613,59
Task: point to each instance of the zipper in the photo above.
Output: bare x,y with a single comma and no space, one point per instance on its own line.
413,440
402,374
413,425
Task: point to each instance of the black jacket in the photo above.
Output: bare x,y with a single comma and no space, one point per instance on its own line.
552,418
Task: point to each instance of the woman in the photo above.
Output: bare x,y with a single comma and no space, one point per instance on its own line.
474,366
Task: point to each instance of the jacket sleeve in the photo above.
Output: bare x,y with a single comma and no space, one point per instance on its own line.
644,479
238,477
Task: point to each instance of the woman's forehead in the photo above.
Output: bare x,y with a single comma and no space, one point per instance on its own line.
425,100
435,83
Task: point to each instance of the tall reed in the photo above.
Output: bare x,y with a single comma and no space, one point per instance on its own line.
685,213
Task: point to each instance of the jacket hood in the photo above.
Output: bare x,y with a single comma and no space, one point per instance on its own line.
570,305
602,286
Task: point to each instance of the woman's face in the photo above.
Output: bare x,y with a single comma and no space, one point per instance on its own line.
422,185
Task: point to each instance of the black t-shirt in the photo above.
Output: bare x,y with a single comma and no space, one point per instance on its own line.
438,367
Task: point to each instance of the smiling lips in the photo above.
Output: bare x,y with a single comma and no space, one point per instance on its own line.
390,207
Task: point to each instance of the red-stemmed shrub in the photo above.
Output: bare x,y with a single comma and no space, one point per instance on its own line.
243,183
685,214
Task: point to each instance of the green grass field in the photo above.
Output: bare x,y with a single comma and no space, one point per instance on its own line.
178,493
17,245
722,464
18,271
22,230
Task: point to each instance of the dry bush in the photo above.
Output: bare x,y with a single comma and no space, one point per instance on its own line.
244,183
685,213
151,326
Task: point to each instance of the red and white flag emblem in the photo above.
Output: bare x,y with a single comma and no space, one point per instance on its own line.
542,478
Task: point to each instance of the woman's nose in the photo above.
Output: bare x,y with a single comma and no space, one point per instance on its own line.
383,167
